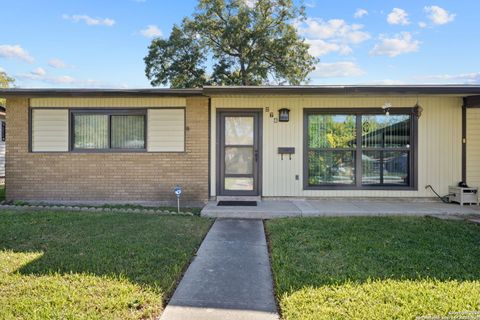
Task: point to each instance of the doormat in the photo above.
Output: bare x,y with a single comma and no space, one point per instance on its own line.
237,203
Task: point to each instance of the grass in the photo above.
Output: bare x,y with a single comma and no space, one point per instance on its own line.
2,192
375,268
81,265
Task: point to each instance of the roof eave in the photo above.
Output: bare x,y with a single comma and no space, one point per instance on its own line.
345,90
38,93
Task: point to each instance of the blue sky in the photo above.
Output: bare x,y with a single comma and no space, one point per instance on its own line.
84,43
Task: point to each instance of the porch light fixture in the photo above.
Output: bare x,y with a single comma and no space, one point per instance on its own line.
284,115
386,108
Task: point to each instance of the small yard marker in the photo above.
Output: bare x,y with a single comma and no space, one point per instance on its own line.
178,193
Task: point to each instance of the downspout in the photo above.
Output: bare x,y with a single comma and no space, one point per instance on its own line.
209,146
464,140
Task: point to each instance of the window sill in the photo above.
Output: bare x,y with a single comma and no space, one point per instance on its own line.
363,188
108,151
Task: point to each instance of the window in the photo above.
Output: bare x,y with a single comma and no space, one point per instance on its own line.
359,149
4,131
122,130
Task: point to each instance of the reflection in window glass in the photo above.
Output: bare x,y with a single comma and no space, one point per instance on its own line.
385,167
382,131
331,131
331,167
128,132
238,160
395,167
91,131
239,131
371,163
383,148
238,184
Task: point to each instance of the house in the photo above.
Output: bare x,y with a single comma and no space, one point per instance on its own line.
275,141
3,135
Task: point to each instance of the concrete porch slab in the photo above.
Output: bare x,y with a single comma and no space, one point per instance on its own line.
271,209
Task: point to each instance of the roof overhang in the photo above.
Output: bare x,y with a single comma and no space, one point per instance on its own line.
456,90
414,90
32,93
472,101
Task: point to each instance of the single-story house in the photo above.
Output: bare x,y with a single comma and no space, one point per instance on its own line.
120,145
2,143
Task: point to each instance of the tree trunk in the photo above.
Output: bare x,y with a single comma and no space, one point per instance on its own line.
243,73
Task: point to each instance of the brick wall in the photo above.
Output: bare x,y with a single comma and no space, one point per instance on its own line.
110,177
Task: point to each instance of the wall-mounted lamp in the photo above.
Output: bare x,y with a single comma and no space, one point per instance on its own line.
284,115
386,108
417,110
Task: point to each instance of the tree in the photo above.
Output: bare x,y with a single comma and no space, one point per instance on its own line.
5,82
177,61
245,44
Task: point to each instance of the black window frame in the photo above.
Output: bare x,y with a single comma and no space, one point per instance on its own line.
357,185
109,113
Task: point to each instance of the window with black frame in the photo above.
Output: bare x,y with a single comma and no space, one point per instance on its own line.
359,149
108,130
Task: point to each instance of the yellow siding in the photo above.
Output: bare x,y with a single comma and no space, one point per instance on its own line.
473,147
50,130
108,102
166,130
439,141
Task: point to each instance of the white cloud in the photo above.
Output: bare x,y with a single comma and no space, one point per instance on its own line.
57,80
463,78
321,47
360,13
152,31
422,24
398,16
89,20
15,52
439,15
39,72
251,3
399,44
57,63
331,36
386,82
337,70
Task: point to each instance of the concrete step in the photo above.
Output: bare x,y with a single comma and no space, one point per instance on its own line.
239,198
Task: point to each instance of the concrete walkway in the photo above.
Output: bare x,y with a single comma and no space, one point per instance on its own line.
270,209
229,278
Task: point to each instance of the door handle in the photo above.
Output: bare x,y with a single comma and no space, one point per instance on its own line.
256,155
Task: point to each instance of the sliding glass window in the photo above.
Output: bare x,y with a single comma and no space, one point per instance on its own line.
115,130
359,149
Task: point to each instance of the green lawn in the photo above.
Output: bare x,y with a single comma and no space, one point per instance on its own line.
79,265
375,268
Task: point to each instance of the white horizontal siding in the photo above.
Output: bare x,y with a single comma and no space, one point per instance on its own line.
166,130
473,147
49,130
439,141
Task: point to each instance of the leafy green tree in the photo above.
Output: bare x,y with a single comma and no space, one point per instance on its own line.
244,44
5,82
179,60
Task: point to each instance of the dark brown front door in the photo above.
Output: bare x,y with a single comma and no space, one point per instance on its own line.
239,153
